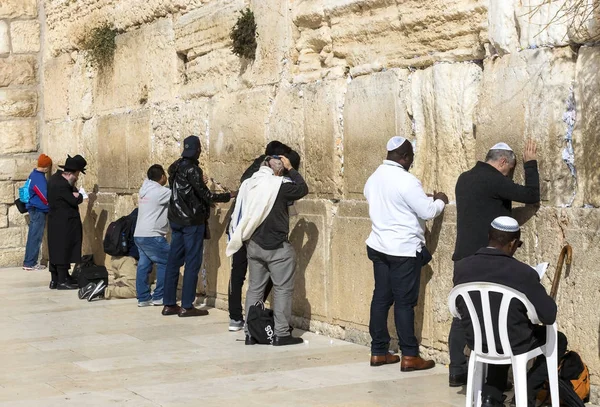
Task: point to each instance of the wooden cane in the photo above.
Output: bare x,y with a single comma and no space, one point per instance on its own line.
568,251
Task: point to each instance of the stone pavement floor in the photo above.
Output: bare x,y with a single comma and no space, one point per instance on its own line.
56,350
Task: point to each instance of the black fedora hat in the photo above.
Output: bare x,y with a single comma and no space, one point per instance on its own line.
73,164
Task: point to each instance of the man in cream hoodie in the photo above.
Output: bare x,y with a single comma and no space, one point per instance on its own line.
150,235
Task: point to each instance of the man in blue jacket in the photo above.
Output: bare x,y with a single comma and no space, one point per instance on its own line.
38,209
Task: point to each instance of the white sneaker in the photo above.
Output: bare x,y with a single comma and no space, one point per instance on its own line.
157,302
145,303
235,326
98,291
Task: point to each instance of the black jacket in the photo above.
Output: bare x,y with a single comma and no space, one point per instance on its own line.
483,194
65,233
273,232
494,266
190,197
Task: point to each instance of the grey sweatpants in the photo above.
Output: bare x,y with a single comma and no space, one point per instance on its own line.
279,265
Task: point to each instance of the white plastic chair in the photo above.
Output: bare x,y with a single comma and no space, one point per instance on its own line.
478,360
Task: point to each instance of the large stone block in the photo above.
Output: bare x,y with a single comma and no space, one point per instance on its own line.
587,126
57,74
18,8
351,274
7,192
4,38
12,257
62,139
80,88
18,136
172,123
3,216
310,234
17,168
443,102
123,150
18,70
374,110
526,95
25,36
18,103
323,155
237,132
287,118
13,237
389,33
16,218
134,78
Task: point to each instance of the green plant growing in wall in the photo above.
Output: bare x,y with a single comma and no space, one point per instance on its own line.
244,35
100,46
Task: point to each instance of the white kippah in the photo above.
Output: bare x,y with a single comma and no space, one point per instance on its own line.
501,146
395,142
505,224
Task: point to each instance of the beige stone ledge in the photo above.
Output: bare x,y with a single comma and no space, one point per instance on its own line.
25,36
18,136
18,70
18,103
18,8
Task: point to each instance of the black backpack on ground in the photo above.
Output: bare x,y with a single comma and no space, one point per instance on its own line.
88,272
117,237
261,323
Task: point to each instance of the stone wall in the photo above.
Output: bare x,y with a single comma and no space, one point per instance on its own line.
335,79
19,118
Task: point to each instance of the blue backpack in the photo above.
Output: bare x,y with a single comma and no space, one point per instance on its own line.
24,192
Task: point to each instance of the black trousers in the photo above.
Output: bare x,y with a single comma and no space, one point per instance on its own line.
397,281
59,272
239,268
456,345
536,377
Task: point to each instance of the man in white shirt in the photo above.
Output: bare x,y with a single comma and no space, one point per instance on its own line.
398,208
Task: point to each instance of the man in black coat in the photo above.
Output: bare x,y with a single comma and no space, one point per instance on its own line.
482,194
495,264
189,209
65,233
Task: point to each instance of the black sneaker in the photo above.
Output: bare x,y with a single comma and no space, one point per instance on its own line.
489,401
84,292
286,340
250,340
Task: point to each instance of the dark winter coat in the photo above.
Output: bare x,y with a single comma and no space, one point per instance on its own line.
65,233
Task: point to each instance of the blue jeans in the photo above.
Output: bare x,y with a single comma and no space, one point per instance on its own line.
397,281
186,247
37,223
153,250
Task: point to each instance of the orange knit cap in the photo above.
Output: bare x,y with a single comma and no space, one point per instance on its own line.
44,161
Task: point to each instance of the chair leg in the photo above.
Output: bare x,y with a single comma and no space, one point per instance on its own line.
471,383
519,366
552,363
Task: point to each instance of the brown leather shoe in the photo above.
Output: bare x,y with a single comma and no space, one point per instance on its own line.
411,363
192,312
384,360
171,309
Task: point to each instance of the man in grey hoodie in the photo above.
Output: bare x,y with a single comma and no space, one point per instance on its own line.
150,235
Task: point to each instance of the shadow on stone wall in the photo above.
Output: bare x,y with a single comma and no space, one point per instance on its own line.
304,237
94,225
432,237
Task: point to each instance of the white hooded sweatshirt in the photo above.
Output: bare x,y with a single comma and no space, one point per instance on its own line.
153,204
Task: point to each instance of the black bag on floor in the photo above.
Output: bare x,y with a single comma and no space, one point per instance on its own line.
261,323
88,272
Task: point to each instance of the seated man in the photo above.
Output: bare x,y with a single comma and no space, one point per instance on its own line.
122,272
495,264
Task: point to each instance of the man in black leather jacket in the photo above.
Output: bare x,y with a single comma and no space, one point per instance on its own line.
189,209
